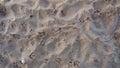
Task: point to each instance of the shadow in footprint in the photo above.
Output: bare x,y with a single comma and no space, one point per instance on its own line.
3,62
2,10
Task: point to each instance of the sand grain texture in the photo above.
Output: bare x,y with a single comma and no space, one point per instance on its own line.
59,34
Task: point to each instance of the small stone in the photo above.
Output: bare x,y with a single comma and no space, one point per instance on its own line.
23,61
31,16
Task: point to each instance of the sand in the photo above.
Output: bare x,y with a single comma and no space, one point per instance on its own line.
59,33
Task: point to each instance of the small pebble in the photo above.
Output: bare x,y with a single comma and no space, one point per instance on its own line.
23,61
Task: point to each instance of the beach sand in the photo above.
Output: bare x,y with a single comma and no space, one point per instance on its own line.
60,34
